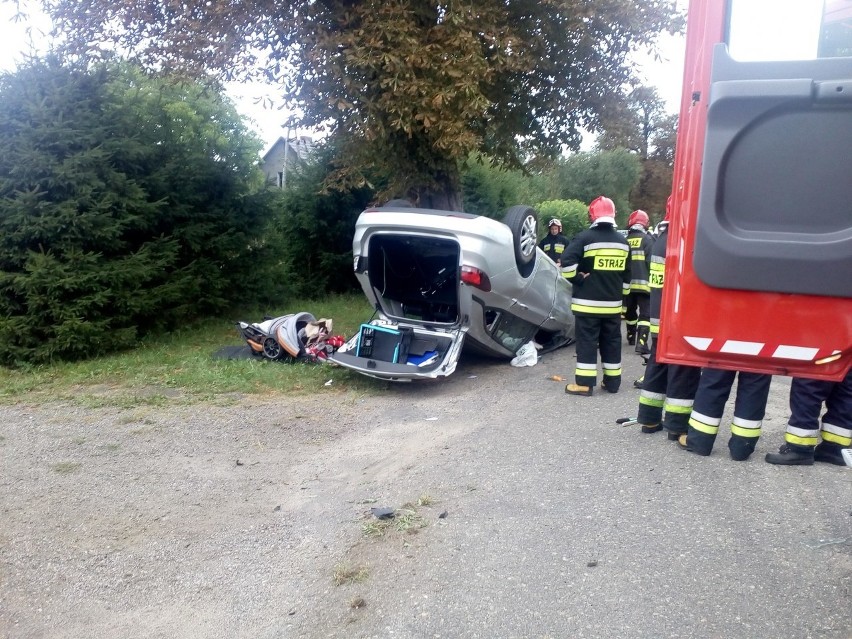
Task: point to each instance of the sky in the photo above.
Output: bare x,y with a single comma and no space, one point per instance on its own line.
665,74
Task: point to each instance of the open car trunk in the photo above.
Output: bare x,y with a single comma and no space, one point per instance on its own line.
413,281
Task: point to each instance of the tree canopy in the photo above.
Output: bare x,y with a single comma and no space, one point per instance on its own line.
409,88
585,176
642,125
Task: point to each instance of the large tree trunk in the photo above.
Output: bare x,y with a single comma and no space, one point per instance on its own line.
444,194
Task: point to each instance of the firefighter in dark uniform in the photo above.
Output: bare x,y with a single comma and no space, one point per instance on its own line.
596,263
710,399
802,447
665,387
554,243
638,301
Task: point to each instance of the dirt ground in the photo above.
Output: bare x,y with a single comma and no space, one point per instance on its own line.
251,517
206,520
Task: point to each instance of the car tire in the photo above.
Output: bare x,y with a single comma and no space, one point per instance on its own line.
523,222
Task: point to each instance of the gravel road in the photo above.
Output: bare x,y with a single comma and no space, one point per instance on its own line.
538,516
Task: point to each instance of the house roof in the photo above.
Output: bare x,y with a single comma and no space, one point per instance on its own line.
301,146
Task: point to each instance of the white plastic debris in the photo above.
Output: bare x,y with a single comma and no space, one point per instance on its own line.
526,356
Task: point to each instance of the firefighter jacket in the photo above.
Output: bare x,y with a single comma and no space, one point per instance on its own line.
656,277
602,253
640,260
554,245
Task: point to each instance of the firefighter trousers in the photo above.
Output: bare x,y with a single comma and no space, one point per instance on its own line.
668,388
598,333
714,388
807,397
637,318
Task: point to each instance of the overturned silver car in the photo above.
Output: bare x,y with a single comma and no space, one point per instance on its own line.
440,280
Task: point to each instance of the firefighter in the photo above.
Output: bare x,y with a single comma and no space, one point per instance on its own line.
714,388
803,430
665,387
554,243
637,307
596,263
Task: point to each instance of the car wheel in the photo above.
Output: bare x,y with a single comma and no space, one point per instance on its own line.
523,221
272,349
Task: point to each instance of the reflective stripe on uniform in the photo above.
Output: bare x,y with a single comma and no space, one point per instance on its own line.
836,434
704,423
655,326
598,307
651,399
569,271
591,249
679,406
745,427
611,369
801,436
607,252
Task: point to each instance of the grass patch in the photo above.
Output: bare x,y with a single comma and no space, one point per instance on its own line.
65,468
132,417
146,430
426,500
349,574
406,520
179,367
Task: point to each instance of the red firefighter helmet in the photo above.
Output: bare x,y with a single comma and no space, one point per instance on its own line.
602,209
638,217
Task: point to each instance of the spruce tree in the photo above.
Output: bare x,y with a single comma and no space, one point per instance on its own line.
127,203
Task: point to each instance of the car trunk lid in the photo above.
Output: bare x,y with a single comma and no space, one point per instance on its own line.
413,281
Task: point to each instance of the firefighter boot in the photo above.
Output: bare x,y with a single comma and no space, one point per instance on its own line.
829,452
651,428
631,335
612,384
642,341
697,442
741,447
792,455
674,435
576,389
